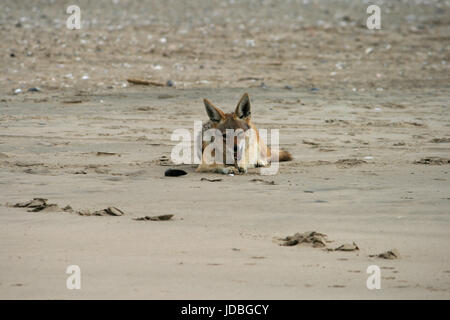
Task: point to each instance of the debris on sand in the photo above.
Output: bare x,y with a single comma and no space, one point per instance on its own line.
315,239
250,79
210,180
337,121
347,247
110,211
72,101
166,96
390,255
174,173
50,207
68,209
440,140
433,161
145,108
164,217
348,163
41,205
312,143
38,205
164,161
272,183
102,153
32,203
27,164
146,82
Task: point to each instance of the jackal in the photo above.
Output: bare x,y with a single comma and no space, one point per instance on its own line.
243,149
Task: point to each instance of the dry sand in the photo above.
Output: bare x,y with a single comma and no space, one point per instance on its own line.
380,104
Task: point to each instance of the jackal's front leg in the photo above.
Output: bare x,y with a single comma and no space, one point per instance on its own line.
252,157
207,166
262,155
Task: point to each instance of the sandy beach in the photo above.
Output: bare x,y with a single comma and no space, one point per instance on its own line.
365,114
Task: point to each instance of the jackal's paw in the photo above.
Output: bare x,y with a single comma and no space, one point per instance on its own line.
228,170
261,163
242,169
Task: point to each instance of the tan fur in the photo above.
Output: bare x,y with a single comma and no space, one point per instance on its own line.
239,119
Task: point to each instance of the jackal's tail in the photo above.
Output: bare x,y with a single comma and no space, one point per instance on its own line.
282,156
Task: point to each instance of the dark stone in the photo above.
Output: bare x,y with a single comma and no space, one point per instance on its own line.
174,173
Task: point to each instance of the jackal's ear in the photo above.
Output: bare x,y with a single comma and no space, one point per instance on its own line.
243,109
214,113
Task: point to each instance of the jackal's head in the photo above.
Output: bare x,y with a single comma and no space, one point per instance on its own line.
233,123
